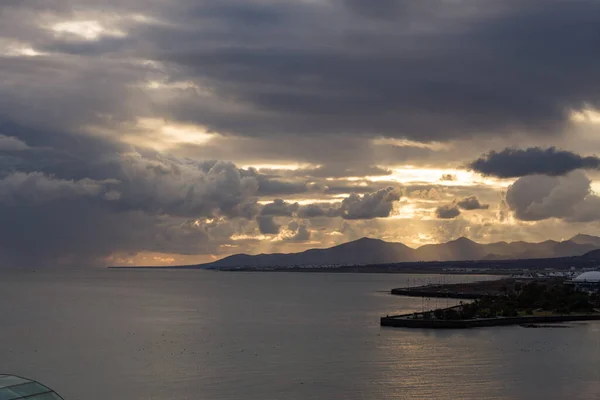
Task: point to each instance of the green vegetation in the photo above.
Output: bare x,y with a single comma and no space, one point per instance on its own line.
531,299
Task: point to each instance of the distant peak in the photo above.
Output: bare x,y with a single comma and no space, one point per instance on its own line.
463,239
583,236
368,239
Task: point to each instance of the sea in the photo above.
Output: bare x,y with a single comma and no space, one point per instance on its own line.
95,334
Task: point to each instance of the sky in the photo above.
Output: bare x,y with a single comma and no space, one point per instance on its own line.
155,132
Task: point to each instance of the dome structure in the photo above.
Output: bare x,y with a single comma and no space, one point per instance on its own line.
590,277
14,387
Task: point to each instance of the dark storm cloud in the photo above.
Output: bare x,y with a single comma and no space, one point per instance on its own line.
380,9
167,187
279,208
268,186
299,232
319,210
393,73
378,204
514,163
311,81
52,86
45,221
267,225
81,232
135,203
8,143
447,212
472,203
36,188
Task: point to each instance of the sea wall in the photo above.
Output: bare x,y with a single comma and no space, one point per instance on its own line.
436,293
405,321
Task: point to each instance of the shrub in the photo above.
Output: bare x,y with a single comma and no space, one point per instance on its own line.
451,314
509,312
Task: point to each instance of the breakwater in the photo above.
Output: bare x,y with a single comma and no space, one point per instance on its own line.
424,292
409,321
468,291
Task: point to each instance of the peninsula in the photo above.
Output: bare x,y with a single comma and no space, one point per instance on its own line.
506,302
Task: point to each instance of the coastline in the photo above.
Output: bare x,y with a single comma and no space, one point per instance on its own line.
403,321
483,267
499,302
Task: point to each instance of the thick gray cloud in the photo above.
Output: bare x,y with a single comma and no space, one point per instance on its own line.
377,204
145,203
380,9
312,81
299,232
46,221
267,225
514,163
293,232
279,208
168,187
272,186
447,212
472,203
136,203
390,71
319,210
11,144
370,205
535,198
36,188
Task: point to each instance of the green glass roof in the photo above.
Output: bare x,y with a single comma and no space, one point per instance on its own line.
14,387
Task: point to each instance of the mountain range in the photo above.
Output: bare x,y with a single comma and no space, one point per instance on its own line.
367,251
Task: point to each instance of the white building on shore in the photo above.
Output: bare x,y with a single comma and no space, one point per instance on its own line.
588,281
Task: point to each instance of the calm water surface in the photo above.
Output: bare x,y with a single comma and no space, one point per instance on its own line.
140,335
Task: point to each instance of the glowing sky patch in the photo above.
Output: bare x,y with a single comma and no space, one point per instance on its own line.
165,135
280,167
435,146
408,209
595,185
9,48
85,29
239,237
588,115
306,200
182,85
413,175
149,258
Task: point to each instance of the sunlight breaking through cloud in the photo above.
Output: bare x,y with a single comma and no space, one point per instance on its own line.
85,29
197,115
